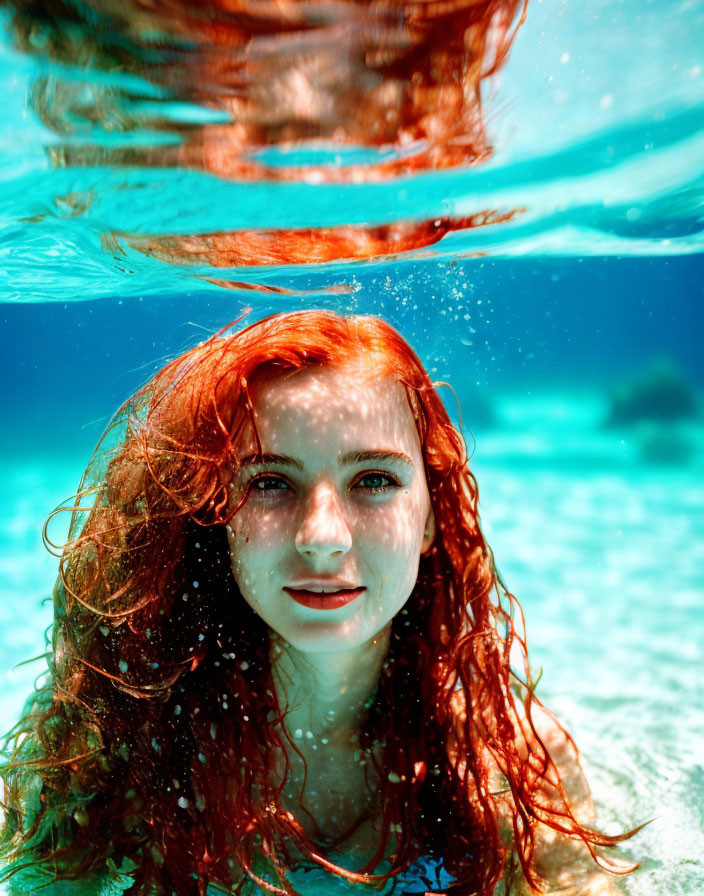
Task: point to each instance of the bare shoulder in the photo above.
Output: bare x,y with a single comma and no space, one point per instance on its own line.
565,756
564,861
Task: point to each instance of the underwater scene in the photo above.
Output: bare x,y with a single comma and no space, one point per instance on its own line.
529,220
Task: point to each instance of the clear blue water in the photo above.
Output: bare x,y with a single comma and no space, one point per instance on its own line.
599,530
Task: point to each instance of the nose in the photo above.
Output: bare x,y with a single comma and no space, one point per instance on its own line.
323,531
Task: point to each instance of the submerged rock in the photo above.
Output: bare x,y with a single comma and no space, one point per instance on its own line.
661,444
660,394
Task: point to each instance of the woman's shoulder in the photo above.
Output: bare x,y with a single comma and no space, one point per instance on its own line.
540,733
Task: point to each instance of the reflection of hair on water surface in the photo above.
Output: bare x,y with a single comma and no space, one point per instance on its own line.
312,80
180,736
251,248
395,74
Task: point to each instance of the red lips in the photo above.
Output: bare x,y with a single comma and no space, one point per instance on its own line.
328,600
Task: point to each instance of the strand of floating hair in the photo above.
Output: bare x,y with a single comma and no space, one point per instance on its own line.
221,425
32,659
245,311
135,689
509,37
265,885
216,508
590,839
294,828
121,590
223,345
31,763
104,613
244,385
69,696
112,424
161,485
226,519
49,545
177,448
209,502
98,541
498,581
467,455
183,505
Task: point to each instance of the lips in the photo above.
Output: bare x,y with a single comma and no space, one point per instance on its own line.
324,597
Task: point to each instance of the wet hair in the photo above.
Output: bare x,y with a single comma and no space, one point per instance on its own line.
154,741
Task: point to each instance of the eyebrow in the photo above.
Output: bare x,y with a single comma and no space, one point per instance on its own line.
350,457
278,460
363,457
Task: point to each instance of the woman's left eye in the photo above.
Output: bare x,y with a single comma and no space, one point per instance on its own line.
375,483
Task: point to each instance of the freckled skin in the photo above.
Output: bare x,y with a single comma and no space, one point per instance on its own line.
365,522
321,521
328,519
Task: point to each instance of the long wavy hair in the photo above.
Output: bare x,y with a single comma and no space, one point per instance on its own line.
155,738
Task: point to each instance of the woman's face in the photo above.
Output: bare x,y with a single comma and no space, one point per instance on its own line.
326,545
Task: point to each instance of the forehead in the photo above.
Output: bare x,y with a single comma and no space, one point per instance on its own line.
320,404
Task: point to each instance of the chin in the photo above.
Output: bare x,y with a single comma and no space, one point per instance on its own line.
326,637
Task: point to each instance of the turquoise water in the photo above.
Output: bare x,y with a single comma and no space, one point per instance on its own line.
606,553
537,323
595,123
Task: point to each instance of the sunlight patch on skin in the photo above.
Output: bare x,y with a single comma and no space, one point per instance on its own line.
315,514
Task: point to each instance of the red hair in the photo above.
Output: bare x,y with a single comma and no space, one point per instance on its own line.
155,738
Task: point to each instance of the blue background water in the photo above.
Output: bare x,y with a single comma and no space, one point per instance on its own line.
604,547
599,531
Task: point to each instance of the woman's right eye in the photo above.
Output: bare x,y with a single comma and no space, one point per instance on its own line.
267,483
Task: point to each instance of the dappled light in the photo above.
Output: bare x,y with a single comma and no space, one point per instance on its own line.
281,581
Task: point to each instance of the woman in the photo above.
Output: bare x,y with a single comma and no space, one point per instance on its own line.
280,643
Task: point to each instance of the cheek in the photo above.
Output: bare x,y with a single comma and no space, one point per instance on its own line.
401,523
259,526
253,538
394,537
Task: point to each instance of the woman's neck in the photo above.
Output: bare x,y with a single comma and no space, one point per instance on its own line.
326,695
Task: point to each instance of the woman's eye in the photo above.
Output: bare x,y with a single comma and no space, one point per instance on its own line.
268,484
376,483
